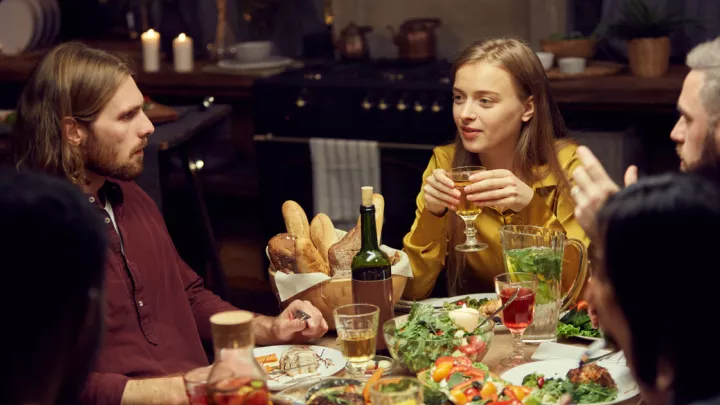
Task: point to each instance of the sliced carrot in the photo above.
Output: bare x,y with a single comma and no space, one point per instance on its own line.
376,376
582,305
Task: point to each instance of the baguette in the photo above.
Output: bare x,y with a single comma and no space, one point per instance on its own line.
322,233
379,203
296,221
308,258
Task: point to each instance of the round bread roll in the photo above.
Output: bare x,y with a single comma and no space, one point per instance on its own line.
296,221
322,233
281,249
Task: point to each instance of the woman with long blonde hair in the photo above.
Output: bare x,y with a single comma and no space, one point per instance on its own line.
507,122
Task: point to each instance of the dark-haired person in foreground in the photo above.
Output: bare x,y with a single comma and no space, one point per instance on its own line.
657,240
80,117
53,257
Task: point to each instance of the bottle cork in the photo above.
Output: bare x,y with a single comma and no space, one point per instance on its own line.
367,195
232,329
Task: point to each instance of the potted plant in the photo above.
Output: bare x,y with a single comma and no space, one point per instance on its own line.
574,44
647,32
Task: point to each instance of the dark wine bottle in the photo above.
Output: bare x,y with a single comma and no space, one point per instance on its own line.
371,270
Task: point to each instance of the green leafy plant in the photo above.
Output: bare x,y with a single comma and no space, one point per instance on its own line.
638,20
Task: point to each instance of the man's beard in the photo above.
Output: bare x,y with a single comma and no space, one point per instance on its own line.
101,158
709,162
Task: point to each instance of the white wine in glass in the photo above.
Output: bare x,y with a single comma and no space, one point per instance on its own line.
467,210
357,328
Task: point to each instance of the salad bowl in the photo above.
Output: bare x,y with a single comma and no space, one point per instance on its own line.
417,340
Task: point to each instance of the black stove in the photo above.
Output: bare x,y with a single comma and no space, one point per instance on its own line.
381,73
383,99
405,106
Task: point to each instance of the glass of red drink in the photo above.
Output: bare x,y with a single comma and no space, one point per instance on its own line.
518,315
196,385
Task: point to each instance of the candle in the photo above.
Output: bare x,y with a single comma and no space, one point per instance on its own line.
183,53
466,318
151,50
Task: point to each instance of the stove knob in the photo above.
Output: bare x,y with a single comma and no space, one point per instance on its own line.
401,106
435,107
418,107
300,102
382,105
366,105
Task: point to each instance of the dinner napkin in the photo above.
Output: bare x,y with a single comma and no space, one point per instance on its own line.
289,285
553,350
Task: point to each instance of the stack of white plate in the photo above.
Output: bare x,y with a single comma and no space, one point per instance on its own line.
28,24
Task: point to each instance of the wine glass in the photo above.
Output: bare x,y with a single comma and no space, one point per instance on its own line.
396,391
357,328
518,315
467,210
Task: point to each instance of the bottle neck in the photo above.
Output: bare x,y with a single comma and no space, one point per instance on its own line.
227,353
368,228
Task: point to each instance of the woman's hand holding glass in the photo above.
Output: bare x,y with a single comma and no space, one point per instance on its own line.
499,188
440,193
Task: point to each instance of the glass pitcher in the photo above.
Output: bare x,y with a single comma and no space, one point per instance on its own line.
532,249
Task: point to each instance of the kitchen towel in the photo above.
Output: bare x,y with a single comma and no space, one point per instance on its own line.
340,168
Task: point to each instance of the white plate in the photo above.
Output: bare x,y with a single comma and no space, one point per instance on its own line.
17,26
627,388
269,63
332,362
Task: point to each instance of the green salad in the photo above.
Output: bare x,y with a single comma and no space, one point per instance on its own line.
576,322
549,391
467,301
429,335
544,262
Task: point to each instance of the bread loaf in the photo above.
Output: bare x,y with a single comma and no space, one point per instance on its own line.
308,258
322,233
296,222
341,254
281,250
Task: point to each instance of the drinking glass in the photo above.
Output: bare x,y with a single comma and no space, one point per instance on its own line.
195,385
518,315
467,210
396,391
357,328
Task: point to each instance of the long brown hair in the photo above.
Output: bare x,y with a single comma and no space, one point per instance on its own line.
536,145
72,80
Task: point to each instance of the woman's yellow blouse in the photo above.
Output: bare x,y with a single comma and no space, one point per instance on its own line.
427,242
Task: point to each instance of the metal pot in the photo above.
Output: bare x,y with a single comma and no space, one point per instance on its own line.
416,39
352,43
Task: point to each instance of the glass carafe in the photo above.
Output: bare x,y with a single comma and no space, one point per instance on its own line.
532,249
236,377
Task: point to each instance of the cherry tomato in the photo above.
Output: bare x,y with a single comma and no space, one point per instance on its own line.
441,371
468,350
460,303
439,333
541,382
462,361
458,397
477,343
488,390
445,359
582,305
471,392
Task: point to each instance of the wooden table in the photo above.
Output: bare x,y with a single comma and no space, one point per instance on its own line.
500,346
